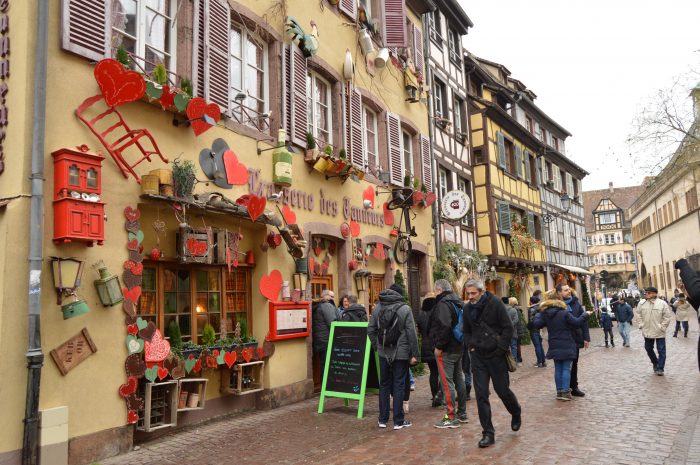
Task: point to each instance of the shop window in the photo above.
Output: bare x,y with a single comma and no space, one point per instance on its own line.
249,88
318,109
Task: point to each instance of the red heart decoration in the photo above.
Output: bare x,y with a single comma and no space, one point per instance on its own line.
133,245
211,362
132,417
125,390
118,85
256,206
230,358
311,264
167,98
388,216
247,354
158,349
354,228
129,265
132,214
196,248
289,216
137,269
162,373
368,194
197,366
155,253
132,329
236,173
132,294
261,353
196,109
430,198
271,284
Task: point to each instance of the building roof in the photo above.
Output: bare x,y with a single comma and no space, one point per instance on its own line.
456,16
622,197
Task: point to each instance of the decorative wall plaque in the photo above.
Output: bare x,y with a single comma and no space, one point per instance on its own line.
72,352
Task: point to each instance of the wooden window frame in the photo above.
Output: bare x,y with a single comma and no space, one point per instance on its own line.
237,106
366,130
312,77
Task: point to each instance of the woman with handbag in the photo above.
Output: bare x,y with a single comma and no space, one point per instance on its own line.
560,323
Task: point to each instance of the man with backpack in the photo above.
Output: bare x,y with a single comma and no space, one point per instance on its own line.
392,332
447,337
355,312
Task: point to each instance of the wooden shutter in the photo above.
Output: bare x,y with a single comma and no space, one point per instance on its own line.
294,95
349,7
198,48
503,217
531,224
357,153
528,175
395,23
86,28
426,162
519,161
393,132
501,150
217,28
418,49
557,177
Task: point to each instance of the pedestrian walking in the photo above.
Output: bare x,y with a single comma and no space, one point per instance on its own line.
426,349
535,335
323,314
487,333
654,318
682,310
554,313
519,330
691,284
624,314
514,319
580,333
354,311
448,354
395,356
606,324
410,384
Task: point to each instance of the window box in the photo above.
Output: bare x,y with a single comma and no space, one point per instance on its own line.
243,378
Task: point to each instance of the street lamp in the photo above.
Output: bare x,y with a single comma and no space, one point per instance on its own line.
565,204
360,282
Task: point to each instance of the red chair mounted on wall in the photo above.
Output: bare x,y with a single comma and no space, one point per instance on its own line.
121,136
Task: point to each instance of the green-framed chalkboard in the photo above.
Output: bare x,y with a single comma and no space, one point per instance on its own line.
352,367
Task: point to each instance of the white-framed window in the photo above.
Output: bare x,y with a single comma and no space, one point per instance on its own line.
606,218
443,179
366,4
369,135
318,109
609,239
440,102
248,60
589,241
610,259
464,186
145,29
453,46
407,148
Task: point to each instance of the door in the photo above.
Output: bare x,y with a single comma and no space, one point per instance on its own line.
376,285
318,284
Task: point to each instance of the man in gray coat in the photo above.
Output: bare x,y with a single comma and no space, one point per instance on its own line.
394,360
323,314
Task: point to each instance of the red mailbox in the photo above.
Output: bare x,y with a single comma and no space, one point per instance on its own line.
77,204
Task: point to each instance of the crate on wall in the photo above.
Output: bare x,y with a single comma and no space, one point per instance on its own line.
195,245
243,378
160,406
191,394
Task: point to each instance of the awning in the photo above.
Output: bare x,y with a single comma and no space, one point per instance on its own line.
575,269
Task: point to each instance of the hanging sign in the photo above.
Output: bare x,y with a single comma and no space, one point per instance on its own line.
455,205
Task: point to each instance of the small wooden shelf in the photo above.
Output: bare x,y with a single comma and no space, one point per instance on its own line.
196,386
160,406
243,378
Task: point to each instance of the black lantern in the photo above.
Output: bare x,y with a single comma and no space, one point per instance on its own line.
360,281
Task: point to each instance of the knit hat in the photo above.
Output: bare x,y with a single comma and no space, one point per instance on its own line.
397,288
534,300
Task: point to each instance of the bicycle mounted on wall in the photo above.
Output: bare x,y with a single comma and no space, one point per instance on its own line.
401,198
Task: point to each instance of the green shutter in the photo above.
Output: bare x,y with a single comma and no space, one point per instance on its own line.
519,161
501,150
538,171
527,176
531,224
503,217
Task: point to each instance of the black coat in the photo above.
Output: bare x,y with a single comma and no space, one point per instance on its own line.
444,318
424,323
561,326
495,316
354,313
691,281
581,333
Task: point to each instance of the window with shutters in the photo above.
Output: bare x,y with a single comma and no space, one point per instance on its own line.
440,100
569,185
318,109
460,123
436,28
504,217
454,46
370,141
249,83
533,169
145,29
691,199
543,134
407,149
510,157
610,259
444,180
465,186
555,143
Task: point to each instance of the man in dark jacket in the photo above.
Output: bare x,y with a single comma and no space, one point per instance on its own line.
427,354
581,334
487,333
394,360
535,334
323,314
355,312
691,284
624,319
448,354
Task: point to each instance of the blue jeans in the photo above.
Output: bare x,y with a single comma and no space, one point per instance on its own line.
514,348
392,383
659,361
539,350
452,379
624,332
562,374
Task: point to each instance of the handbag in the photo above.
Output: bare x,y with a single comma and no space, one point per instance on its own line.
510,361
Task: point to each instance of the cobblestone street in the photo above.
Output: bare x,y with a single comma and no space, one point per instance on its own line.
629,416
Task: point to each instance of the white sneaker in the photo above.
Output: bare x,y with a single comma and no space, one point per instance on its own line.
381,425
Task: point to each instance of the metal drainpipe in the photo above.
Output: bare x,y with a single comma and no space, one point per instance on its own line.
431,132
35,357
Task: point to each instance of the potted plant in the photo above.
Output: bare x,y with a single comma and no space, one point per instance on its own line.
418,195
311,149
184,178
330,159
189,348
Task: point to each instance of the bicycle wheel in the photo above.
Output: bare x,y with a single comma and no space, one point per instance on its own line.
402,249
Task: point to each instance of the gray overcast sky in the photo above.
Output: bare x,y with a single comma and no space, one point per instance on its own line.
592,65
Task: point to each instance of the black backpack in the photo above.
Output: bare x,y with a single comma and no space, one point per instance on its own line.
388,328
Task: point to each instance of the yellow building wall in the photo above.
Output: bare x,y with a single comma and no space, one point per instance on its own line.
90,390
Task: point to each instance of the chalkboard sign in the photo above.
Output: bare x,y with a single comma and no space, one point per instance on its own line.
351,366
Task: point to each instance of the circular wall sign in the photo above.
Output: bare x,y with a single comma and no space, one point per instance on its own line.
455,204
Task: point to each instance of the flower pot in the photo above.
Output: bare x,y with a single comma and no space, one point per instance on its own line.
430,198
193,400
182,400
417,198
321,165
311,155
332,166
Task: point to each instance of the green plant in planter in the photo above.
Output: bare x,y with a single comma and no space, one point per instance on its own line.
208,335
407,181
186,86
175,335
310,141
342,154
160,74
184,178
123,57
328,150
416,184
423,188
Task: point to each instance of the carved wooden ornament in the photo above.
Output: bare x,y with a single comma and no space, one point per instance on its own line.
72,352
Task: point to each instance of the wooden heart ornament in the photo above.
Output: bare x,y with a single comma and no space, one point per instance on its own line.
118,85
354,228
247,354
125,390
132,417
289,216
198,110
196,248
388,216
270,285
256,206
132,214
135,366
158,349
368,194
236,172
230,358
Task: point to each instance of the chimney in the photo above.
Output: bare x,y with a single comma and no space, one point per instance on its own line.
610,187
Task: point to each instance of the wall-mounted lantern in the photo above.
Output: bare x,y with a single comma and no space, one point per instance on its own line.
67,273
360,280
108,287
